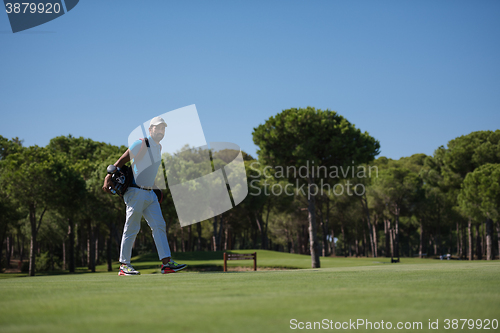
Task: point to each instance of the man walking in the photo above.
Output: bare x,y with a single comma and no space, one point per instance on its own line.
142,201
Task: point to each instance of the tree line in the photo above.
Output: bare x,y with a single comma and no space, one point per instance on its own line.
315,188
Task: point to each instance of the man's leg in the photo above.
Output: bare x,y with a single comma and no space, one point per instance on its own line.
134,200
154,217
155,220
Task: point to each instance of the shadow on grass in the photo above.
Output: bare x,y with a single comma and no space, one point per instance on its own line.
179,256
194,255
143,261
78,271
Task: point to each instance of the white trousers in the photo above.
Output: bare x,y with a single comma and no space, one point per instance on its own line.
143,203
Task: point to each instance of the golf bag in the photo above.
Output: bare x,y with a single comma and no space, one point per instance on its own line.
122,178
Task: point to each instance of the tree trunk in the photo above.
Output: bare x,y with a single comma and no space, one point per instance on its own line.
254,238
365,247
90,247
434,244
439,246
198,229
386,234
327,226
174,241
2,236
324,248
215,238
51,254
183,246
344,239
469,227
32,266
391,238
290,243
221,226
375,242
109,242
313,241
479,251
306,240
333,254
19,248
489,239
372,240
483,239
464,240
90,244
498,238
71,245
410,245
226,238
421,242
93,251
64,255
331,247
388,238
80,250
265,228
299,243
450,242
34,232
8,250
97,236
396,234
364,202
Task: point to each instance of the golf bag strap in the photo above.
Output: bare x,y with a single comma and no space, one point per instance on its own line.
159,194
143,149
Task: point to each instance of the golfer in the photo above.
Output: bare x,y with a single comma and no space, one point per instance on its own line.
142,201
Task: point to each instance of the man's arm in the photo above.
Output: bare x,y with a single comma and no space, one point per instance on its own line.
121,162
123,159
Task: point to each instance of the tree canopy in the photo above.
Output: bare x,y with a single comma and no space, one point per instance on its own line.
312,138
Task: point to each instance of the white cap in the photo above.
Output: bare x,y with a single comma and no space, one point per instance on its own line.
157,121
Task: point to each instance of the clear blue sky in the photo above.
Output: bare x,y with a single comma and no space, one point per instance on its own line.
414,74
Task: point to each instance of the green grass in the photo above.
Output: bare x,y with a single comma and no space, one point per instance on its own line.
200,261
212,261
263,301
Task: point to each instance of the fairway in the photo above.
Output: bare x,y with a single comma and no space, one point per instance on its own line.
262,301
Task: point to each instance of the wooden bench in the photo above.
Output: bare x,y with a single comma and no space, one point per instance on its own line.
240,256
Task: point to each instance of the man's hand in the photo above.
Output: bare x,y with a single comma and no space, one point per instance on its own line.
121,162
107,184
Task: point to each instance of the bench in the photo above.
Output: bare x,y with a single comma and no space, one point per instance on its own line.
240,256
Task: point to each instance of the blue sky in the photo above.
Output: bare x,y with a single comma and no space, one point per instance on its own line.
414,74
